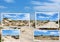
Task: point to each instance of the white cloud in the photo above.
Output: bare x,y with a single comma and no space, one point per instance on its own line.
36,3
56,1
49,13
44,31
46,8
9,1
2,7
55,6
25,17
42,17
7,15
16,31
52,33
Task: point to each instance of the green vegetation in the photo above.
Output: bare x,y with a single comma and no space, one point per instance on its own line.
1,28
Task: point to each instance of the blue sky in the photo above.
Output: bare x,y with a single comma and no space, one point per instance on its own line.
29,6
52,16
0,17
10,32
46,32
19,16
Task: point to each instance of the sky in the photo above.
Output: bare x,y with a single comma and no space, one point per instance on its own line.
46,32
52,16
17,16
10,32
29,6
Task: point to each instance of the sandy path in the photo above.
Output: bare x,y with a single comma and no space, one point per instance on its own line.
26,34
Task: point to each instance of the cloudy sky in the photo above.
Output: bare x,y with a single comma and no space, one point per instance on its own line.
17,16
52,16
10,32
46,32
29,6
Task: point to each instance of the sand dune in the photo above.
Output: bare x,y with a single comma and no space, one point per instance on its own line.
48,25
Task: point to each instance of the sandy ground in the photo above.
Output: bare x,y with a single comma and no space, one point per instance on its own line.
49,25
10,39
48,41
46,38
26,34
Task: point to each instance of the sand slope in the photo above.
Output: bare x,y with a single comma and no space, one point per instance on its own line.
49,25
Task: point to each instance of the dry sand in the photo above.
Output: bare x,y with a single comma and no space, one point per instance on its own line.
46,38
48,25
48,41
26,34
10,39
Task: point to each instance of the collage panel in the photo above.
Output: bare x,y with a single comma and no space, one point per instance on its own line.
46,35
10,35
47,19
16,19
